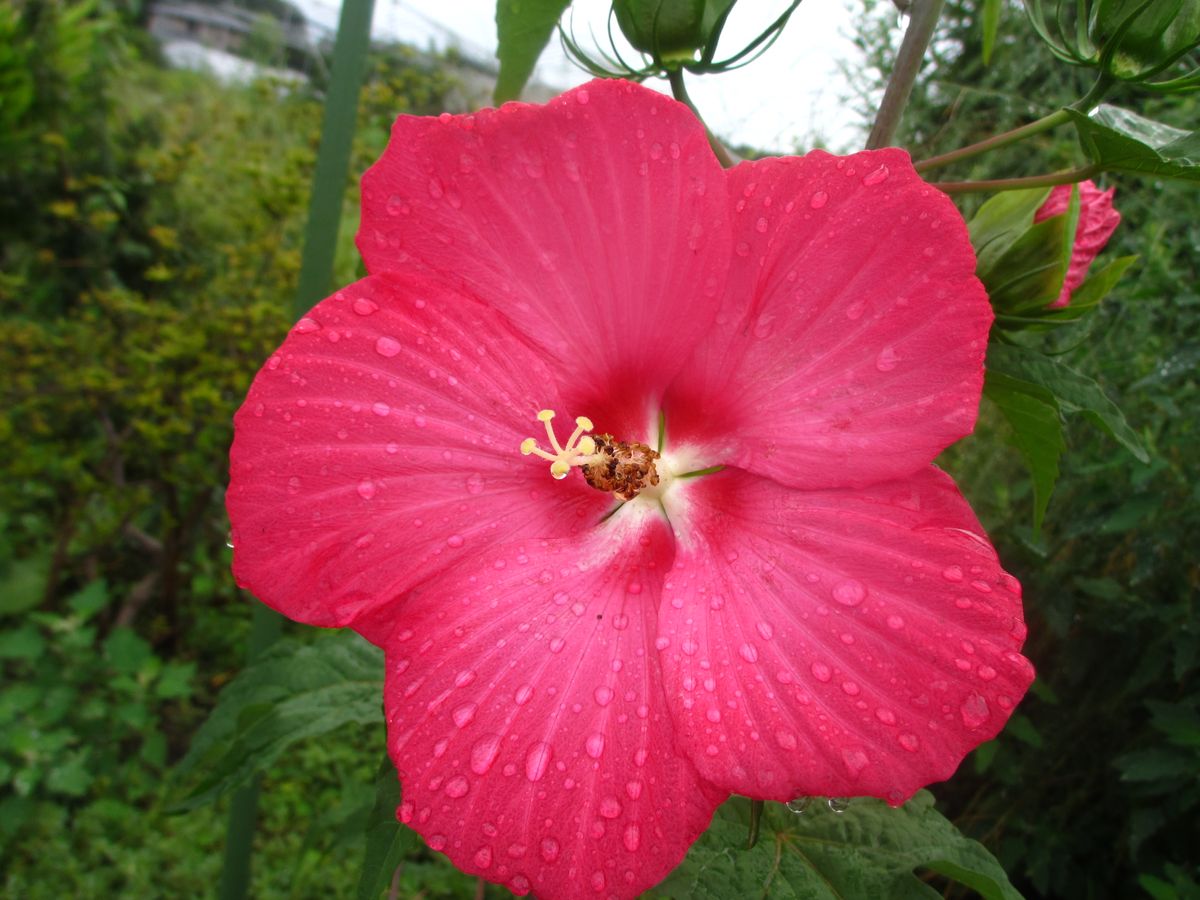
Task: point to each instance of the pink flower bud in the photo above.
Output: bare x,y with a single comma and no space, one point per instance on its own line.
1097,221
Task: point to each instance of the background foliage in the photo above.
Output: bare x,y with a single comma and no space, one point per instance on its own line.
150,224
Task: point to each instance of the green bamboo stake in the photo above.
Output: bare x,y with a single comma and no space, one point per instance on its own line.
316,274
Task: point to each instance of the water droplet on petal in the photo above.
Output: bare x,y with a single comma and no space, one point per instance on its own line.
799,805
849,592
380,409
632,838
549,849
307,326
457,787
387,346
363,306
366,489
484,753
748,652
821,672
886,360
537,760
603,695
610,807
876,176
465,714
909,742
974,711
483,857
594,745
838,804
952,573
455,540
818,199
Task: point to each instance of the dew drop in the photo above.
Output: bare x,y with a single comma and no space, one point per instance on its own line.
610,807
457,787
875,177
886,716
849,592
455,540
523,694
800,805
886,360
475,484
582,97
537,760
307,326
549,849
603,695
484,753
387,346
483,857
465,714
765,630
974,711
909,742
895,622
632,838
818,199
821,672
786,740
594,745
366,489
855,761
838,804
380,409
952,573
748,653
363,306
436,842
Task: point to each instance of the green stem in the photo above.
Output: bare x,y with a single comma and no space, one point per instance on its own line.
1071,176
923,19
675,77
995,142
1053,120
756,809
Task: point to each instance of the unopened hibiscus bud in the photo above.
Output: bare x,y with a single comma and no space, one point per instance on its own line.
669,30
1097,221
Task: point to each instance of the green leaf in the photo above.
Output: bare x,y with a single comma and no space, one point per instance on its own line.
387,841
1036,432
1118,140
523,28
292,692
870,850
23,584
1000,221
991,24
1073,391
1085,297
21,643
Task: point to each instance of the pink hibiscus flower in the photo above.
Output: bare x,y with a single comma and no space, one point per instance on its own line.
756,583
1097,221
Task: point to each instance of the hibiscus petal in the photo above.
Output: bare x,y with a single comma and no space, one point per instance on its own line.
836,643
850,345
597,223
527,719
380,445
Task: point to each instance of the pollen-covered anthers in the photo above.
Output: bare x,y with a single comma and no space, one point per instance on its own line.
578,450
626,468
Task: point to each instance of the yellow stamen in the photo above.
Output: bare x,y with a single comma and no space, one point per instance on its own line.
579,450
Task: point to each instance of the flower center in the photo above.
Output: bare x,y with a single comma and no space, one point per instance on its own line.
622,468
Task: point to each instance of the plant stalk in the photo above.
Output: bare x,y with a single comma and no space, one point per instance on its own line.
675,77
1070,176
922,21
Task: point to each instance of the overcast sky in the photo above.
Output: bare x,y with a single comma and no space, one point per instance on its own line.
795,90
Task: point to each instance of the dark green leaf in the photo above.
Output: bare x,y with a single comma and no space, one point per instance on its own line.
870,850
294,691
1074,392
1122,141
1036,432
664,28
1087,296
523,27
23,584
387,840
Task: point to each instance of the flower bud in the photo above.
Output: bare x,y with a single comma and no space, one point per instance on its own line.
669,30
1097,221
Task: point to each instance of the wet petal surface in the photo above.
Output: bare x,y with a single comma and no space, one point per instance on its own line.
380,445
597,224
850,345
836,643
527,719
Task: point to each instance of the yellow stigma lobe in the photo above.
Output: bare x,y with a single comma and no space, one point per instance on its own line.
578,451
